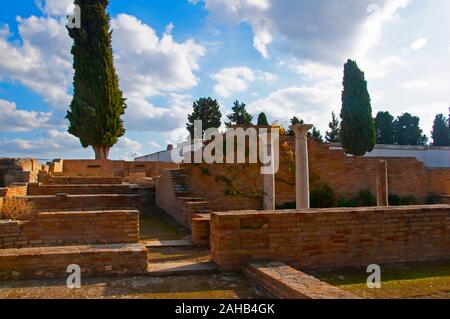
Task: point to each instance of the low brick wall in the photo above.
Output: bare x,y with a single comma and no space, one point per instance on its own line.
77,180
14,190
331,237
117,168
71,228
284,282
85,202
201,229
37,189
52,262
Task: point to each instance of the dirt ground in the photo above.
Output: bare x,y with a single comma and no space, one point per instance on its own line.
218,286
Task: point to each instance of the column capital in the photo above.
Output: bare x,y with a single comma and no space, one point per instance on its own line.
301,129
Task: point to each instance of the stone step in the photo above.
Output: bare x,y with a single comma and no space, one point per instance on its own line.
181,269
169,244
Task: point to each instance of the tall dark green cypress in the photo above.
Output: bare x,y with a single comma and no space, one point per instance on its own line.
98,104
357,127
262,119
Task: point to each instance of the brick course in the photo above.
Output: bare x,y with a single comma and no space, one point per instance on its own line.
331,237
284,282
52,262
71,228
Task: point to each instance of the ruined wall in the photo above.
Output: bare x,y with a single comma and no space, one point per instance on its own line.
332,237
14,170
52,262
114,168
234,187
71,228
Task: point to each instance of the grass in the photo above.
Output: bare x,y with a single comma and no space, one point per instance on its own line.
398,281
158,226
15,208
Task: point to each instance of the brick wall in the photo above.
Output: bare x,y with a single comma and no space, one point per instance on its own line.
332,237
346,175
71,228
52,262
51,203
117,168
227,186
285,282
39,189
14,190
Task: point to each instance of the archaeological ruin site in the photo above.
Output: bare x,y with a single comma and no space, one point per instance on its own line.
217,158
153,225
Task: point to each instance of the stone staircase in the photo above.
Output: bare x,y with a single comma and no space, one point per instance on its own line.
186,203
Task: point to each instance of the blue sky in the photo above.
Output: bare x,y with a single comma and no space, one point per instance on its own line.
282,57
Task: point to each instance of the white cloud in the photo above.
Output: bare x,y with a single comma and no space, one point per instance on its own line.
311,103
148,65
144,116
233,80
55,7
42,62
415,85
14,120
126,149
49,143
419,44
310,29
237,79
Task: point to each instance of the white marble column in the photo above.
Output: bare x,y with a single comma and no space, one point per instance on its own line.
269,179
301,165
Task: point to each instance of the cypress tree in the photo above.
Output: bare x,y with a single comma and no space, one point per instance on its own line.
262,119
98,104
357,126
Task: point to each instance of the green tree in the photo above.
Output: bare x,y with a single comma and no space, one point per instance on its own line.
384,123
316,135
98,104
441,131
294,120
262,119
357,127
332,136
206,110
407,131
240,116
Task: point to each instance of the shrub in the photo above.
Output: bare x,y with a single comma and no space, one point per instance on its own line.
342,202
433,199
409,200
16,208
365,198
323,196
284,206
395,200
